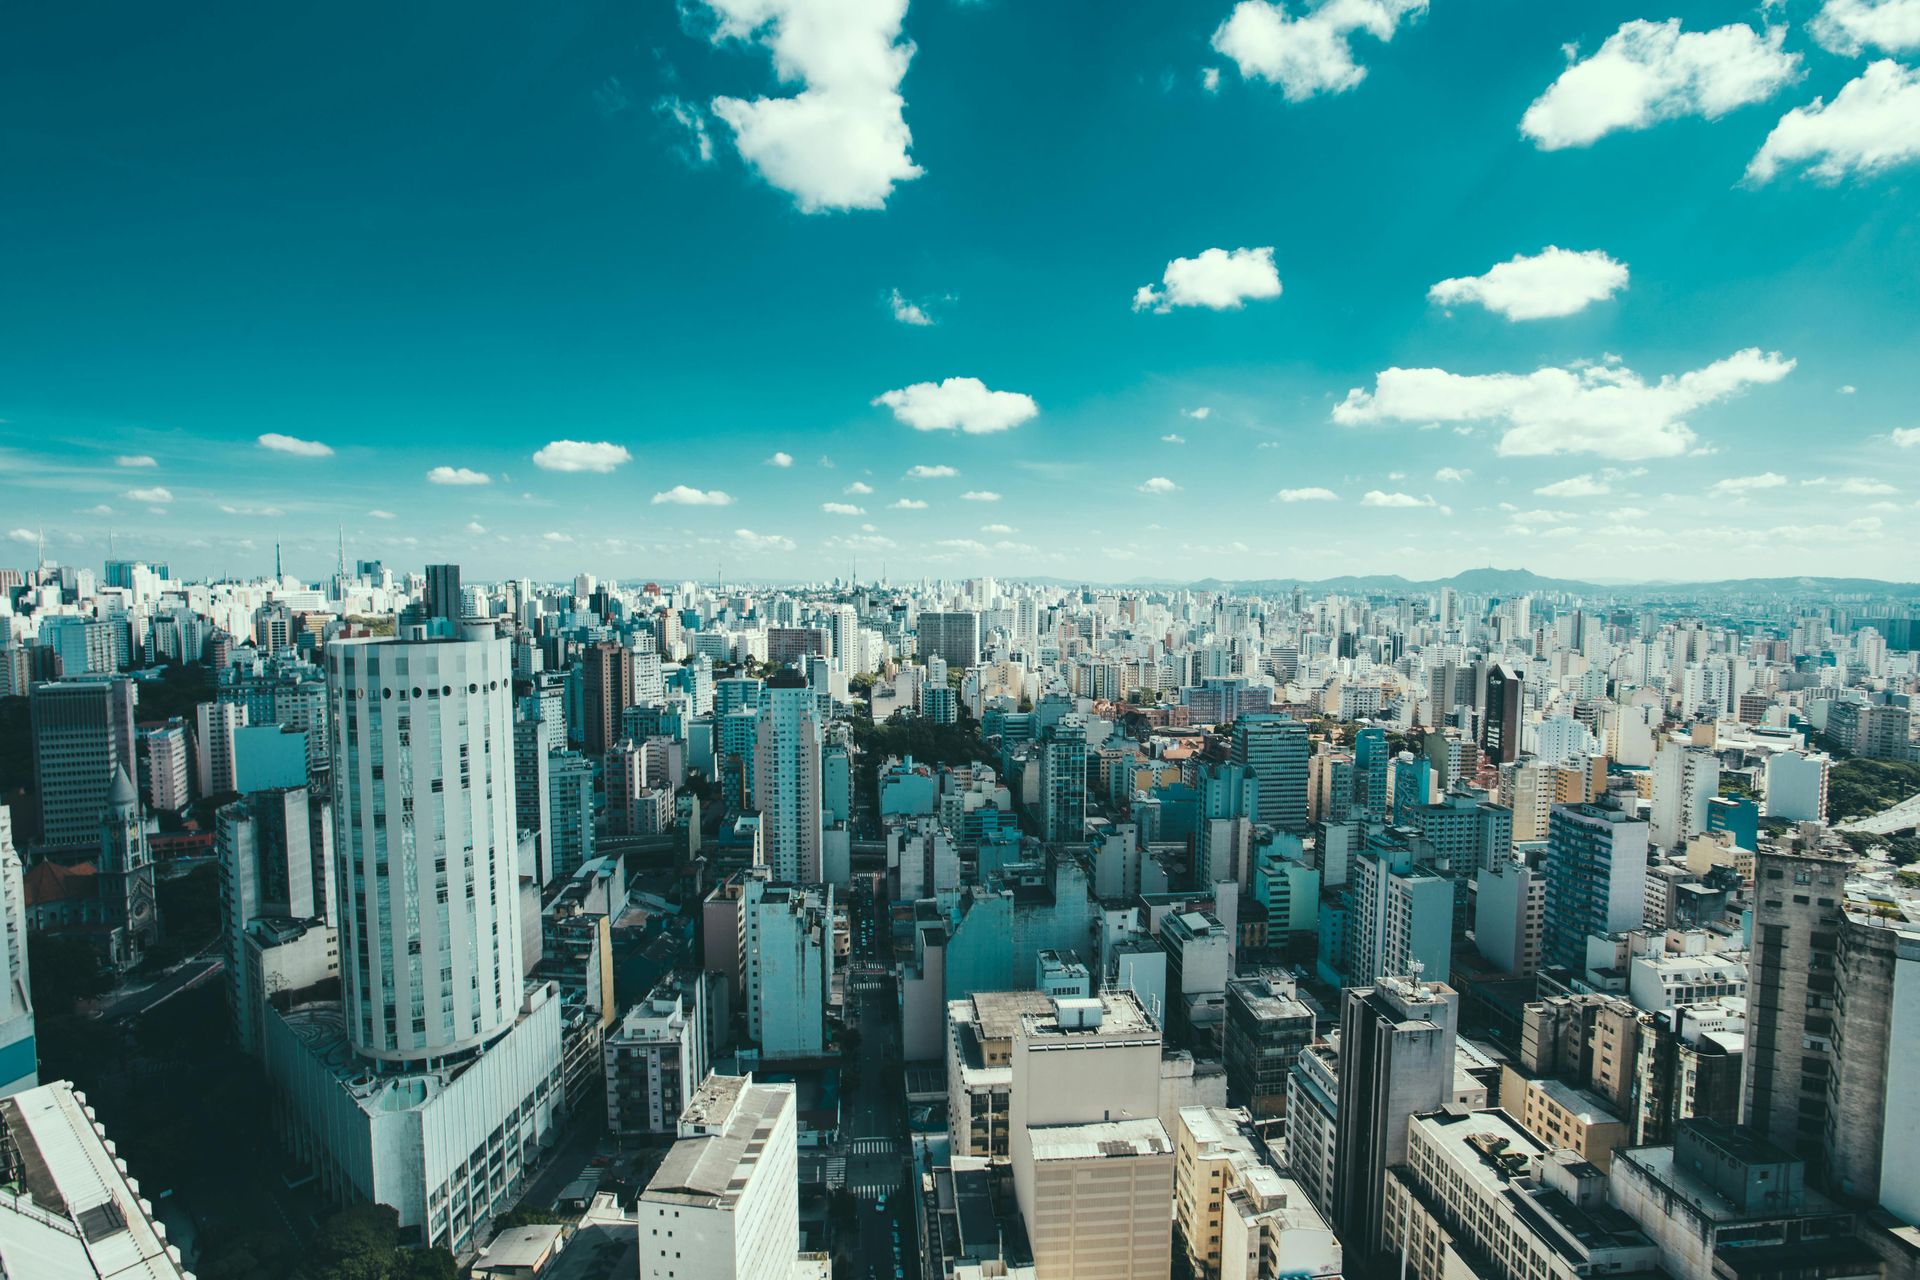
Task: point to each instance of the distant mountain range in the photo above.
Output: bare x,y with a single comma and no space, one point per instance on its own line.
1509,582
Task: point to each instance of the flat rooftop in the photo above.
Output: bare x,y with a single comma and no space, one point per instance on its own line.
714,1169
1102,1140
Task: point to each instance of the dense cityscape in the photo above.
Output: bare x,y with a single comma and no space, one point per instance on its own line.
955,929
960,640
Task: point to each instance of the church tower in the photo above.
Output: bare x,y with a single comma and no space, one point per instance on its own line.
126,874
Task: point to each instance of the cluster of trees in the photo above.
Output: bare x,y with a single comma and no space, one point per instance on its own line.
361,1243
1858,788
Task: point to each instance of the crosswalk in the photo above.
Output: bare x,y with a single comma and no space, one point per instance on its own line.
834,1171
874,1146
874,1190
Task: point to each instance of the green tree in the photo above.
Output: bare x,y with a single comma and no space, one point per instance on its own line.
65,971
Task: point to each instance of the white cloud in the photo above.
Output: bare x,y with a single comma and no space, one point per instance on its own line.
475,527
1848,26
1173,437
998,528
23,535
99,509
1158,484
980,495
153,493
1312,53
962,404
1554,282
1315,494
1200,414
1647,72
255,512
1452,475
553,535
1906,437
1586,486
687,496
294,445
378,514
779,458
598,456
963,544
841,141
921,471
696,143
763,541
1210,79
1746,484
1855,486
1605,409
1848,389
1375,498
907,311
906,504
1872,124
458,475
136,460
859,487
842,509
1219,279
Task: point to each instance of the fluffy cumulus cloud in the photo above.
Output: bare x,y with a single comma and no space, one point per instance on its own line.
1906,437
1604,409
907,504
937,471
23,535
1219,279
980,495
998,528
958,404
1848,26
1173,437
378,514
1872,124
294,445
1313,494
1587,486
1378,498
1854,486
156,493
842,509
1452,475
907,311
581,455
1647,72
841,141
1311,53
475,527
1554,282
136,460
1158,484
554,535
684,495
1747,484
458,476
1200,414
779,458
751,541
859,487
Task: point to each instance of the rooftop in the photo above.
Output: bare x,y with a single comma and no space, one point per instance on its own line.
1102,1140
713,1169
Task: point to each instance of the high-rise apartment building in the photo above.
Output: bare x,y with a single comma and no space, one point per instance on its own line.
570,834
1685,778
1500,724
19,1057
656,1057
786,934
276,864
83,733
1596,876
953,637
606,693
1063,783
216,754
1267,1030
1797,785
786,777
442,598
1396,1061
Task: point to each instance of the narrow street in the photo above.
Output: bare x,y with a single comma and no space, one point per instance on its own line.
874,1126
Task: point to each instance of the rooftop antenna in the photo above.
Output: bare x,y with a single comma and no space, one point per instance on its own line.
341,569
276,560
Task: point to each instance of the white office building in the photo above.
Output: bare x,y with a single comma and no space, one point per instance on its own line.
725,1203
1797,785
786,778
19,1060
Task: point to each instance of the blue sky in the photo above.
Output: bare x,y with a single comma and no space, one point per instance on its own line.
399,239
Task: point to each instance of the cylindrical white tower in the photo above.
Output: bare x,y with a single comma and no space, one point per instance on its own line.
424,815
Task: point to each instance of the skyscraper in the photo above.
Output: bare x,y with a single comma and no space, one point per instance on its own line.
1063,783
1500,726
424,819
607,691
442,598
82,736
1274,749
786,777
1370,757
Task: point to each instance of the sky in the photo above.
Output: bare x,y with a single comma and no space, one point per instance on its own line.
783,289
